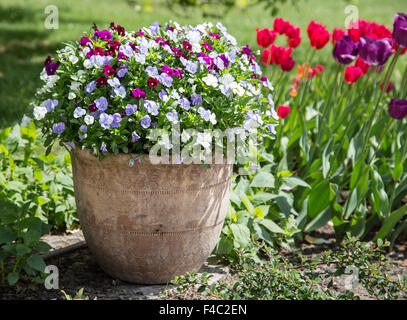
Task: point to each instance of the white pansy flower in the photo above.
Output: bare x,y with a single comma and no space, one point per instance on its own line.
39,112
71,95
175,95
228,81
185,136
75,86
239,90
89,119
79,112
87,64
73,59
204,139
210,80
26,121
251,125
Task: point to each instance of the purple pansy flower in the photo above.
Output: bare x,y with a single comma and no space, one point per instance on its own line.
116,120
130,109
51,68
101,103
50,104
184,103
103,35
196,99
138,93
82,129
122,71
162,94
134,136
90,87
103,147
105,120
172,117
58,128
145,121
151,107
165,79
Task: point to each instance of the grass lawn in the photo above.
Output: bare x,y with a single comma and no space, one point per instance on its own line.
24,41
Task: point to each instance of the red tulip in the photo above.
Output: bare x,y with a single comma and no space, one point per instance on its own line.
352,74
318,35
293,32
288,64
283,111
294,43
337,34
279,54
266,57
280,25
265,37
362,65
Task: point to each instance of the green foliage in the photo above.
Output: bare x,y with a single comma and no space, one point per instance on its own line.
277,278
36,194
262,208
78,295
28,175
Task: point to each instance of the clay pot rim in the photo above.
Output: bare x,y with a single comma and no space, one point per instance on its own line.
144,158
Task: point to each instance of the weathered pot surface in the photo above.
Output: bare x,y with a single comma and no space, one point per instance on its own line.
149,223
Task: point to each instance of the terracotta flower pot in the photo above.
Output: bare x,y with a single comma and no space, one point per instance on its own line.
149,223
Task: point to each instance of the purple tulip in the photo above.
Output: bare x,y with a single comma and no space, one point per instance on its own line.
375,52
398,109
400,30
345,50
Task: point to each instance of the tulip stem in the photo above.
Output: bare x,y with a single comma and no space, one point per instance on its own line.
385,83
403,87
324,112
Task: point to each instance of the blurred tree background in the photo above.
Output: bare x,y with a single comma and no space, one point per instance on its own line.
25,42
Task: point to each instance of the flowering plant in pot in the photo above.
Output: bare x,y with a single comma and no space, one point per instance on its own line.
121,96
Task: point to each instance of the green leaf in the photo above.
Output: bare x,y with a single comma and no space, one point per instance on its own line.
42,246
38,175
36,262
271,226
389,223
326,165
318,199
12,278
7,235
22,249
293,182
225,246
3,149
258,213
263,180
319,221
9,212
246,202
261,197
48,141
48,151
241,235
398,167
351,203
